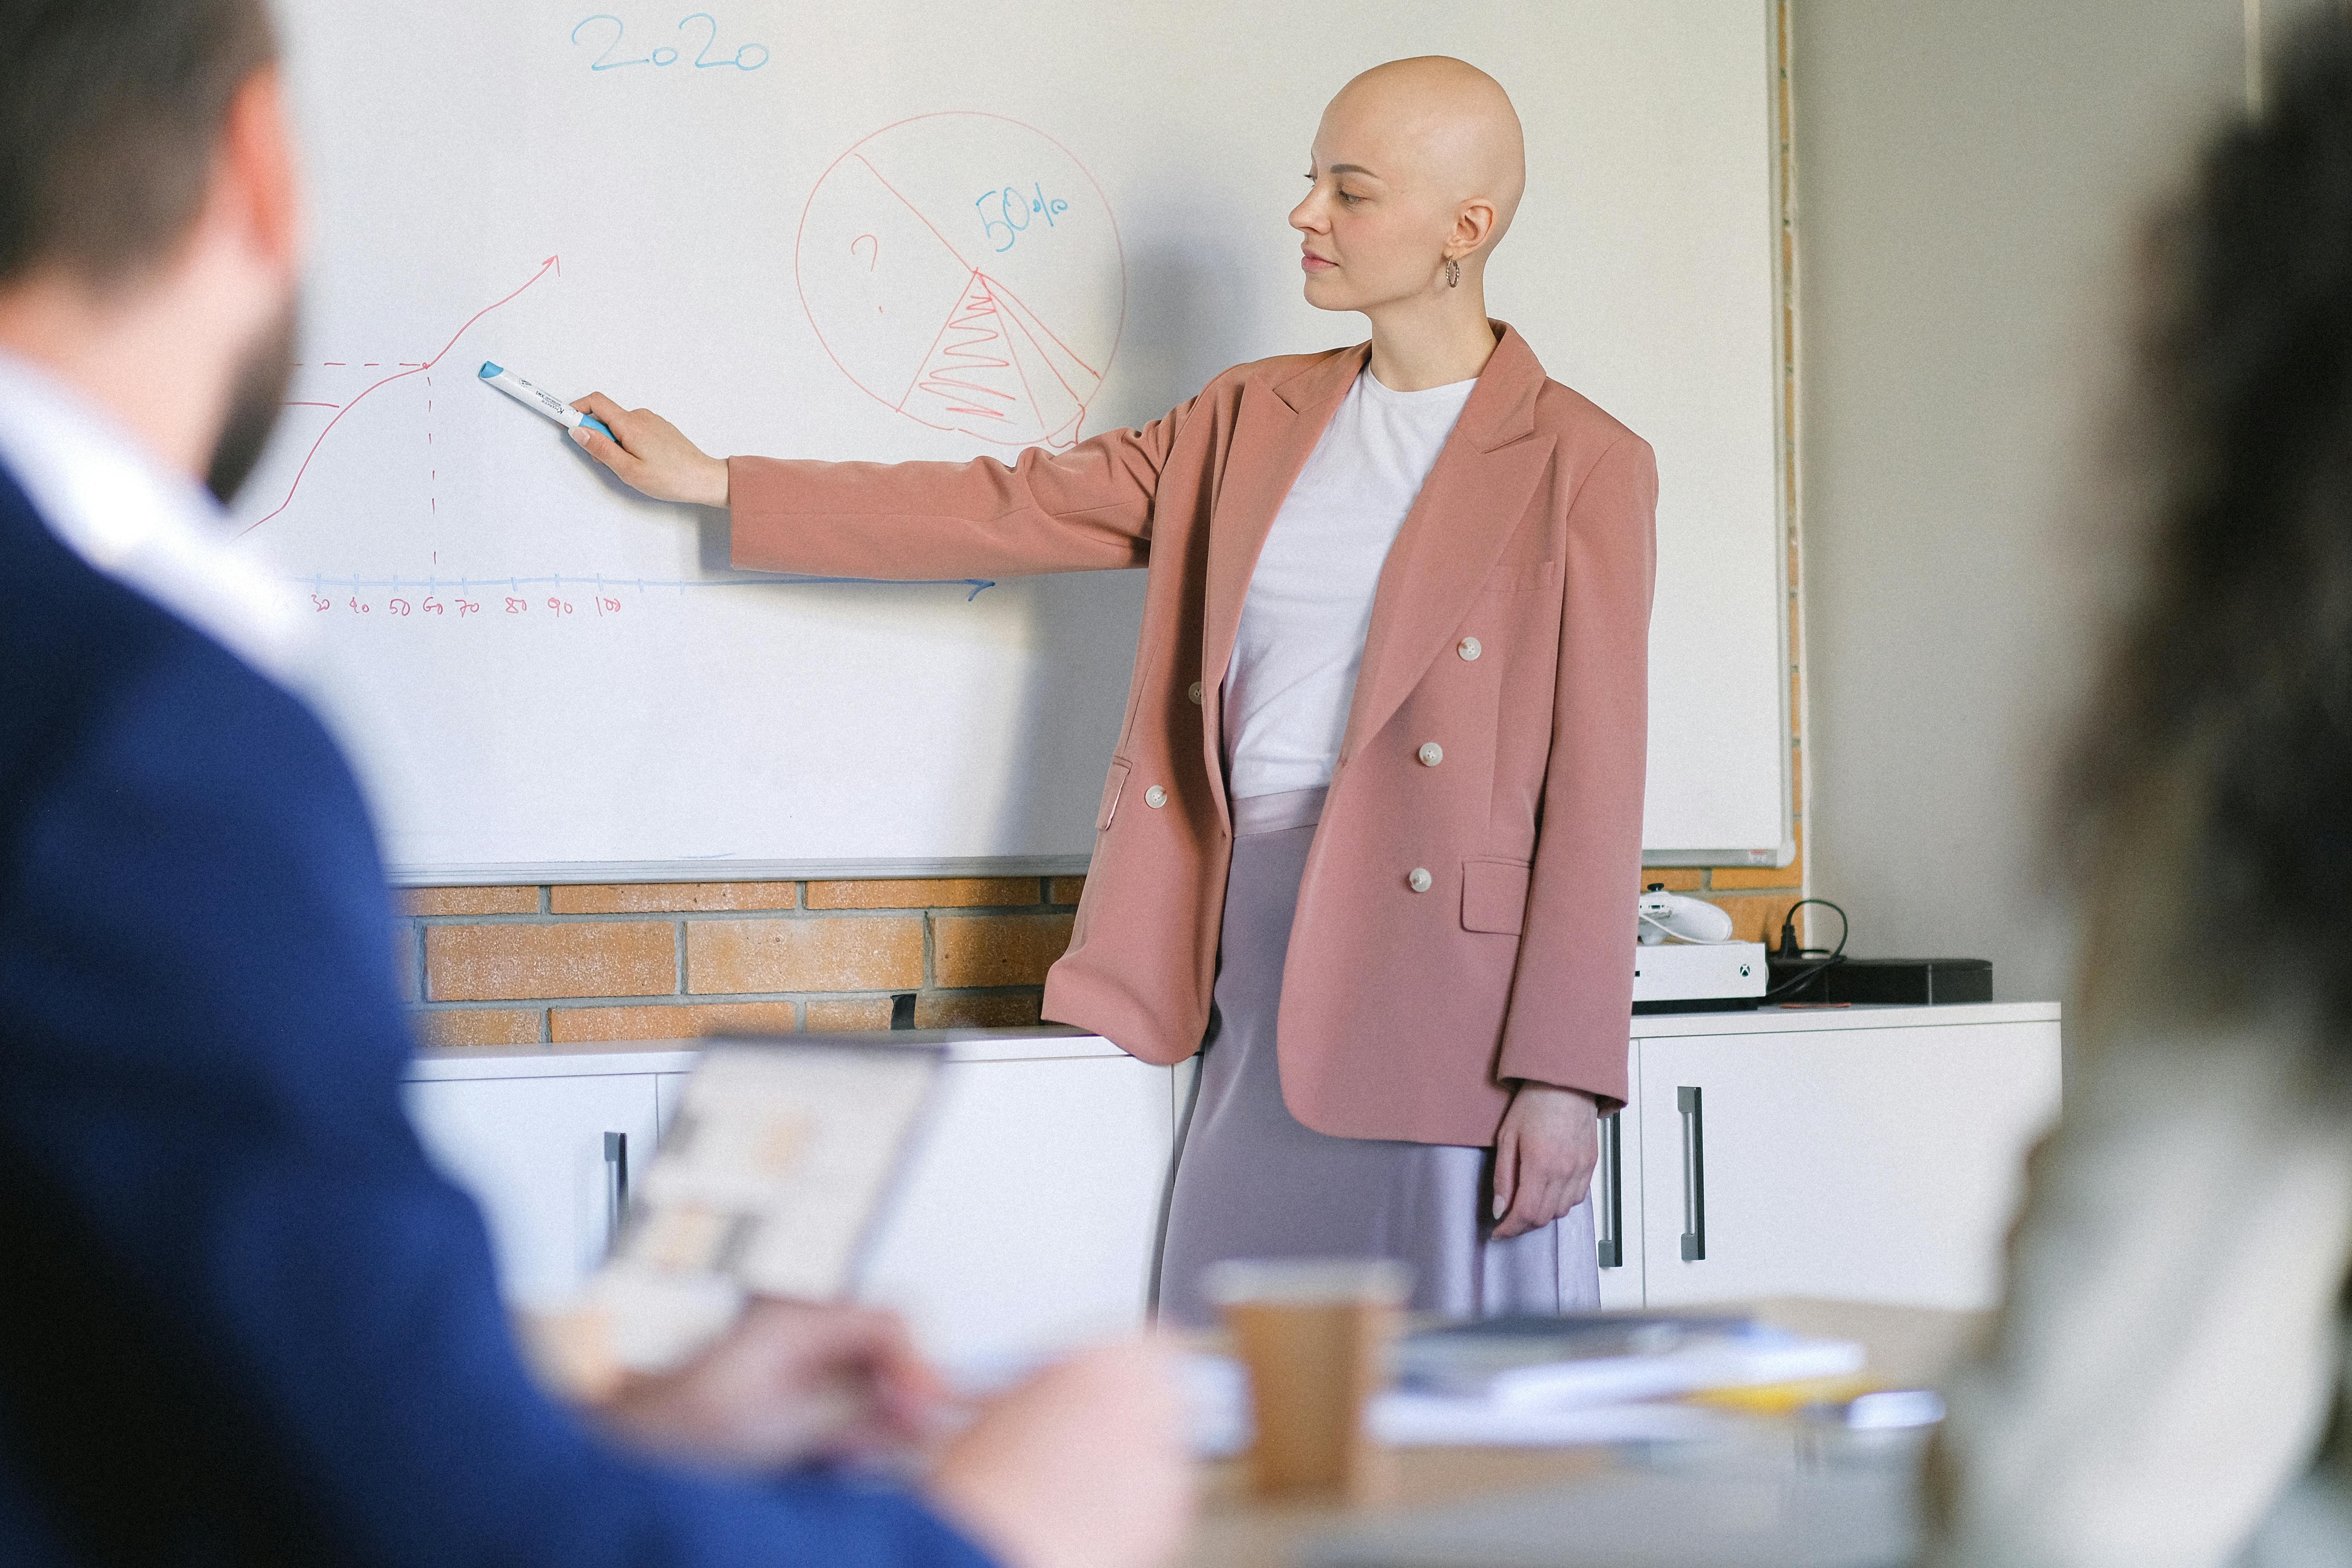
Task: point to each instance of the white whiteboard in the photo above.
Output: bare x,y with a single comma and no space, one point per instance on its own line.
817,231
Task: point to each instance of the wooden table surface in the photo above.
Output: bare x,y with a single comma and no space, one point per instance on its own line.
1909,1347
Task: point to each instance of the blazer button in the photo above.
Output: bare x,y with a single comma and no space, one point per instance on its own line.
1431,753
1195,692
1468,649
1155,797
1418,879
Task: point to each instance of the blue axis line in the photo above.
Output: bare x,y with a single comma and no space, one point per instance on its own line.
774,580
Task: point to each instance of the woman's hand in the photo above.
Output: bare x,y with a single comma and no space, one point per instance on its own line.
1544,1155
652,456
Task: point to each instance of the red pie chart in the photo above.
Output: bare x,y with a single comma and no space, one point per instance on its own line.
964,270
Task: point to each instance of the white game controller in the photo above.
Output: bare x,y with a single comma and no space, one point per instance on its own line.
1661,916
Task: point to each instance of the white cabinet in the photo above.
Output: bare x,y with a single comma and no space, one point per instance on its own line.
1027,1218
546,1158
670,1088
1030,1215
1873,1154
1869,1155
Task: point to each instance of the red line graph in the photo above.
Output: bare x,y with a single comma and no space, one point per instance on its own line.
552,263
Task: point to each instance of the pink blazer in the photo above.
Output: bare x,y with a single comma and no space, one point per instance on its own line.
1460,926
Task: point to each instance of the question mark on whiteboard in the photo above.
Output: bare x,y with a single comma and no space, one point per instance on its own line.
872,257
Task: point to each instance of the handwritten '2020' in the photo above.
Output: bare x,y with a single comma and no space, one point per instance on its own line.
700,31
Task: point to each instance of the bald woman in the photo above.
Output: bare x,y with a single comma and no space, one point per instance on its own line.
1374,815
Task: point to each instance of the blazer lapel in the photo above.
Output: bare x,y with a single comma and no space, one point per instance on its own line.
1467,511
1274,432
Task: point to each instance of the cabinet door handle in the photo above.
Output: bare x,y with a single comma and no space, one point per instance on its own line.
1609,1194
1686,1100
616,1185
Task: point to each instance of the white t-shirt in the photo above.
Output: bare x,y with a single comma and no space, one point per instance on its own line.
1309,604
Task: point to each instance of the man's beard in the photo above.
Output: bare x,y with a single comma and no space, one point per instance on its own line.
256,399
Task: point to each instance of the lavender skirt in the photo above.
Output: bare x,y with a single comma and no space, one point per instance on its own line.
1254,1182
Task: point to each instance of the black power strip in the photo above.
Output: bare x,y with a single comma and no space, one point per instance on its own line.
1905,982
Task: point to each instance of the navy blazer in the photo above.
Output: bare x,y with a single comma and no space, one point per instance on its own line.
243,1320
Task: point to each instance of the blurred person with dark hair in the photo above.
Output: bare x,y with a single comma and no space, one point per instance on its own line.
242,1318
2166,1386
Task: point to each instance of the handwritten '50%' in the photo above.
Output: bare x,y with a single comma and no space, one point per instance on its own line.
1009,212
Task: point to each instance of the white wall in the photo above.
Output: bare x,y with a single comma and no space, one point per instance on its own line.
1971,183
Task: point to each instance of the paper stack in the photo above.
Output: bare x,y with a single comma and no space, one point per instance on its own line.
1554,1380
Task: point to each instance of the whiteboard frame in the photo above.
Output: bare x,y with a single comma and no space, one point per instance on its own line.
1784,447
1785,372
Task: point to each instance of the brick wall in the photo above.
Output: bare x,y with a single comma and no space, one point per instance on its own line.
517,965
511,965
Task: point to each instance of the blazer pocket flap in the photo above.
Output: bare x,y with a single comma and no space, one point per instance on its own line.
1495,896
1111,788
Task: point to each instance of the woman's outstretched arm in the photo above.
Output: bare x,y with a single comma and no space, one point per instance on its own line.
1084,509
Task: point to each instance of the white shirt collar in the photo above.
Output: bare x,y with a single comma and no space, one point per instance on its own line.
155,531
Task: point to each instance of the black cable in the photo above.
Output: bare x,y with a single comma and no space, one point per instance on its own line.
1788,948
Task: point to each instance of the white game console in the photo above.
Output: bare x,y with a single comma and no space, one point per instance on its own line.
1698,977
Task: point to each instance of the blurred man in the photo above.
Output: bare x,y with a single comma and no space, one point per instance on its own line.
242,1318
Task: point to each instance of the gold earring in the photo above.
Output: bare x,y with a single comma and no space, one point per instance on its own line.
1453,273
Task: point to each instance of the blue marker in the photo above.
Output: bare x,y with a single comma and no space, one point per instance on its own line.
546,401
